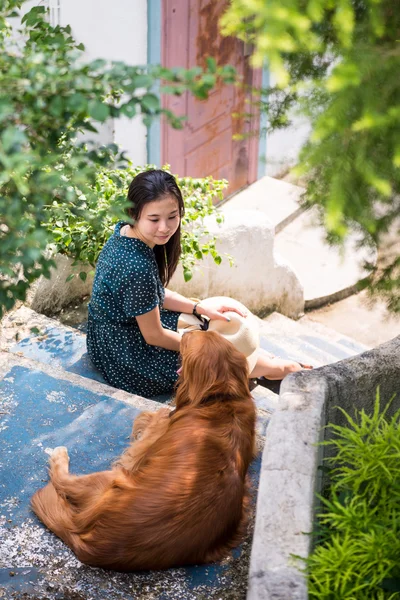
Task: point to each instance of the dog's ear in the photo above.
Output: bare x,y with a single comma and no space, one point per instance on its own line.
211,366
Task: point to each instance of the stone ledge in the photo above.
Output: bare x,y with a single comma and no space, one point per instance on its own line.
289,476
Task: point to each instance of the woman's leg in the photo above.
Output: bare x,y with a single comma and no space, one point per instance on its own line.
272,367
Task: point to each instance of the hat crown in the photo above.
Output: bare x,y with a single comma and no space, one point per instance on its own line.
242,332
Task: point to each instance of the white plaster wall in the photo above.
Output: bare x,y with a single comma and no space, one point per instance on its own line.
283,146
115,31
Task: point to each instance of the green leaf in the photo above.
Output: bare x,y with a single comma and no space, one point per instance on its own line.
12,138
130,108
77,102
142,81
70,277
187,274
211,64
83,275
34,15
150,102
98,110
56,106
6,108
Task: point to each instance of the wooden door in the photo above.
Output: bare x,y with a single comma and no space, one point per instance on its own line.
206,145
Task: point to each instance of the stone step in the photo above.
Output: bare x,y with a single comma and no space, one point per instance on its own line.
326,272
295,348
279,200
47,341
315,333
44,406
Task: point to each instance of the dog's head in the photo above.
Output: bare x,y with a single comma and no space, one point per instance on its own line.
211,366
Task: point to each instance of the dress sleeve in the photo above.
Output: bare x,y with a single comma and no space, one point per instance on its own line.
139,293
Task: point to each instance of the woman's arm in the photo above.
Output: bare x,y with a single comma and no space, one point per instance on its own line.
177,302
154,333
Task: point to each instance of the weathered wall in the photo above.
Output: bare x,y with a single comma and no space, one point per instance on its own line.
289,476
49,296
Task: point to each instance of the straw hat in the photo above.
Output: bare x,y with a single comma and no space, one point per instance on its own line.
242,332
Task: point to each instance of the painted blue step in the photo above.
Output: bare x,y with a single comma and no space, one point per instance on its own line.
65,348
39,412
61,347
289,348
327,346
356,347
269,345
299,349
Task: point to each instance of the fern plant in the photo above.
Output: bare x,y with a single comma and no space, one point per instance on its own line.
358,555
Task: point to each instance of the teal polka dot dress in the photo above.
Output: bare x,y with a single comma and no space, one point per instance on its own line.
127,284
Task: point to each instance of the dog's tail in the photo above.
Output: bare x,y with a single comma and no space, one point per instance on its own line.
56,513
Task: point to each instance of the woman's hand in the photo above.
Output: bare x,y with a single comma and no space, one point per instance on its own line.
217,311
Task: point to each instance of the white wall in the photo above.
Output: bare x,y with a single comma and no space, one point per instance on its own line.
117,31
114,30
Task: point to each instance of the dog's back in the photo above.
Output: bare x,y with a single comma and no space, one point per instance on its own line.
185,505
184,500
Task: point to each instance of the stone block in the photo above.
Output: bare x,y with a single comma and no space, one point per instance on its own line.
258,278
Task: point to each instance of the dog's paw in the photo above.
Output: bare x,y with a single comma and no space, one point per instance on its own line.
59,454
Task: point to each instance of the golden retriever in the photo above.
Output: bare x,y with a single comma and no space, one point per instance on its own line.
178,495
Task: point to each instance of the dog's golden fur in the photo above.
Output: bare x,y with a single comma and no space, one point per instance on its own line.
178,495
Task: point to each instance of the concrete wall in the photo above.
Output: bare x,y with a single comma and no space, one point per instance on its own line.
289,471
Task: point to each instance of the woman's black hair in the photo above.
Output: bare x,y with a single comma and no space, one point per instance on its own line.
148,186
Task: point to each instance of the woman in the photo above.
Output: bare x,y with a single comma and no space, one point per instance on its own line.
132,326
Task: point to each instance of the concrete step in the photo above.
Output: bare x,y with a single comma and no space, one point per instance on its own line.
295,348
302,342
325,338
47,341
44,406
40,338
279,200
327,273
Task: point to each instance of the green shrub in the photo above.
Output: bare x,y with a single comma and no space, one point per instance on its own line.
82,238
358,554
49,97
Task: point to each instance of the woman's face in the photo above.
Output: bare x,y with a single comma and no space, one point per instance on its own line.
158,221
